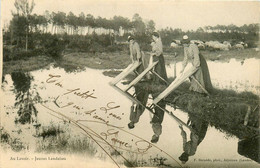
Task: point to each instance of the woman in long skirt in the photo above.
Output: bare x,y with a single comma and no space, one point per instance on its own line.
191,52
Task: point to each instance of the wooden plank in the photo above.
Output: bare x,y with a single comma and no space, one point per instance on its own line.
138,78
159,77
134,100
177,82
125,72
126,94
179,121
202,87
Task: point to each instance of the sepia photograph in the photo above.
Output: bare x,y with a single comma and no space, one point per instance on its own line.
129,83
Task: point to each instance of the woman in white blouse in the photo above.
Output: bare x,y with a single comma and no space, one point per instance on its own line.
191,52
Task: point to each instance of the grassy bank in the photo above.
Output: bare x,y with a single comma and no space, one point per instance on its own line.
113,60
217,55
75,61
226,110
26,64
120,60
227,55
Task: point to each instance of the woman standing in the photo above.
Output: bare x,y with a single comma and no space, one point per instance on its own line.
157,54
202,77
135,53
141,95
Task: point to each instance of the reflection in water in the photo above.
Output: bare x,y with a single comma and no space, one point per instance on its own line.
25,97
250,148
200,127
174,150
68,67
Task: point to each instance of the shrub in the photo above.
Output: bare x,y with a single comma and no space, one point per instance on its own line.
7,55
50,131
5,137
117,47
251,44
54,47
95,47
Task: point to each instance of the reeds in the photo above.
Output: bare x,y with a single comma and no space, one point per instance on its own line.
57,139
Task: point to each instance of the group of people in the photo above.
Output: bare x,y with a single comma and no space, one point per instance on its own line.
201,78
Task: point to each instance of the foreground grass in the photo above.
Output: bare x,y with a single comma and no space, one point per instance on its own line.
51,139
56,139
6,141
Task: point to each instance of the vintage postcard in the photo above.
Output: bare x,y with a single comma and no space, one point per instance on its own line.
122,83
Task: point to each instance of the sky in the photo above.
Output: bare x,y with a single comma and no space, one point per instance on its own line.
182,14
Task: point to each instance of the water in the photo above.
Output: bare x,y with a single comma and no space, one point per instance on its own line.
86,97
236,75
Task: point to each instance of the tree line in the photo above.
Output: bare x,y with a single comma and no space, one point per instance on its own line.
24,22
27,30
248,33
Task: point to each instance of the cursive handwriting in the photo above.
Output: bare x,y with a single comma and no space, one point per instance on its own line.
83,95
101,119
89,112
142,145
108,107
115,116
51,77
125,144
109,133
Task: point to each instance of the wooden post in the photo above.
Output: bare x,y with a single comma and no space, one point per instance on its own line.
174,65
174,68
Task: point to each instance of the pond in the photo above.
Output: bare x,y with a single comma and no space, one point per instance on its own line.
84,103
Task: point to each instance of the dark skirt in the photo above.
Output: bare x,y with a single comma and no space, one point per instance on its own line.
203,77
160,70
